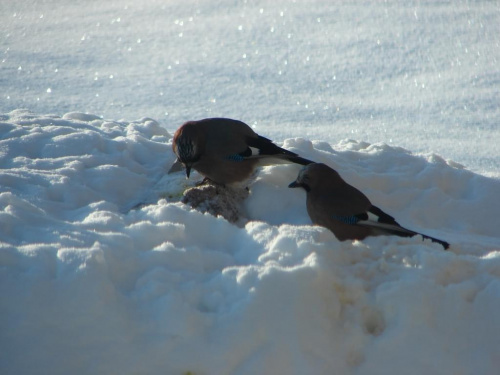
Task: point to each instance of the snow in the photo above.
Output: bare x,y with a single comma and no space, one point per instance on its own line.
104,270
96,280
421,75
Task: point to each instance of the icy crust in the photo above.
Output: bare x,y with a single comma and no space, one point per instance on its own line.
104,270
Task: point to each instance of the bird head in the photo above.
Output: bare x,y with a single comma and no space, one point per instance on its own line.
187,145
302,180
314,176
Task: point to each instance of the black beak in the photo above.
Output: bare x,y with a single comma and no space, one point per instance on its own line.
294,184
188,170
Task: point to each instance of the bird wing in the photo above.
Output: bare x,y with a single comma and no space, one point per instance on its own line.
266,147
236,141
262,148
225,137
375,217
343,200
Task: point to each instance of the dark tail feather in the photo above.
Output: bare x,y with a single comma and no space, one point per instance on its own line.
445,244
409,233
403,232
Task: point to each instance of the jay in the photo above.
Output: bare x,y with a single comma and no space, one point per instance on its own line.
226,151
347,212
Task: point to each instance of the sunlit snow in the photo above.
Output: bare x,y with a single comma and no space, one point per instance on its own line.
104,271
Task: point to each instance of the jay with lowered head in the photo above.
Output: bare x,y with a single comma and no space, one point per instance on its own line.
226,151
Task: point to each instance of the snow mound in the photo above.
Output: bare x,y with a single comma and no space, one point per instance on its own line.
104,270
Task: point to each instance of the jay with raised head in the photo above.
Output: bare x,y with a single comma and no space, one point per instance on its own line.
347,212
226,151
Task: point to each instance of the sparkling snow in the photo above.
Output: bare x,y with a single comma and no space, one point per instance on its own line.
103,270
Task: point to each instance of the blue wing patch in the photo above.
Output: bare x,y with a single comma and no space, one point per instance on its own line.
235,157
351,220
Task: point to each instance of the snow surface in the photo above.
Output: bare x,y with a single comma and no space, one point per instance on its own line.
95,280
103,270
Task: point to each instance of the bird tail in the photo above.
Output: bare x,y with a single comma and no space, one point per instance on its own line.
379,219
281,159
403,232
299,160
445,244
266,148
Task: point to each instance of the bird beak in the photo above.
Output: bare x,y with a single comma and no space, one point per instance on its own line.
188,170
294,184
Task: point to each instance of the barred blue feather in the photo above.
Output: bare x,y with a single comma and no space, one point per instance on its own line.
235,157
346,219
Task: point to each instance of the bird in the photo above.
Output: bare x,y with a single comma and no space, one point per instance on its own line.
347,212
226,151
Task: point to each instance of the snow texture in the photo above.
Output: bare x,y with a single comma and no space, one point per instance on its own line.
104,269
